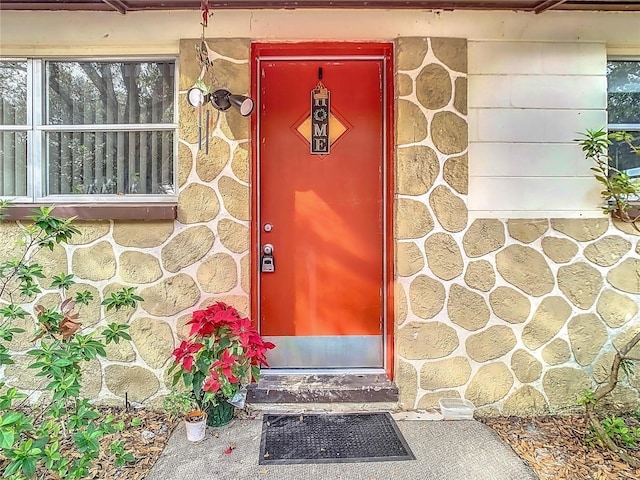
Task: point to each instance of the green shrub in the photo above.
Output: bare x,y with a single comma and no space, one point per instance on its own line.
31,440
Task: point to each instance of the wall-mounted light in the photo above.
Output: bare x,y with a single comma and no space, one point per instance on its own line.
196,97
221,99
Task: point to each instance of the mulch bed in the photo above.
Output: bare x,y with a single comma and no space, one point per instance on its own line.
145,441
554,448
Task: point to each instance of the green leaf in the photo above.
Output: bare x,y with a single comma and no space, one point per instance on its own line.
10,418
7,398
7,437
125,297
83,298
224,342
13,311
602,179
187,378
63,281
116,332
12,468
29,466
203,364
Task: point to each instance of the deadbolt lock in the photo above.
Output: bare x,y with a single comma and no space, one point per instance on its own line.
267,264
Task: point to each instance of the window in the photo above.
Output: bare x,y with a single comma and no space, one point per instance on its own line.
75,130
623,107
13,136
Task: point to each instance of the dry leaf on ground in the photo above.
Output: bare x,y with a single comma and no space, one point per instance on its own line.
554,448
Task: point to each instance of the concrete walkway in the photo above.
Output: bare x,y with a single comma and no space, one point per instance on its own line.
444,450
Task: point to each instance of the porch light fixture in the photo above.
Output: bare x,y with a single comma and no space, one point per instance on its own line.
221,99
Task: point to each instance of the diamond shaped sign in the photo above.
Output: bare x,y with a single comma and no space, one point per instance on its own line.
336,128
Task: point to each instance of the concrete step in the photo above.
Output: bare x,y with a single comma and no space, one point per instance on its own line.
322,388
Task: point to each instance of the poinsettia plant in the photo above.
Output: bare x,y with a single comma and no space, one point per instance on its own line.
224,351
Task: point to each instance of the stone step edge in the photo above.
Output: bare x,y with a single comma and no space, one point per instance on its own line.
322,389
319,407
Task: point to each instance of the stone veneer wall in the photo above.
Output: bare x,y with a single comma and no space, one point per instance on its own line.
177,266
515,315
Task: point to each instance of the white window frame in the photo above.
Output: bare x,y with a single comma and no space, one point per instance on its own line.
37,130
623,127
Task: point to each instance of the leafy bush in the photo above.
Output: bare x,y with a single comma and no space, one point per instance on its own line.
620,190
179,403
621,194
32,440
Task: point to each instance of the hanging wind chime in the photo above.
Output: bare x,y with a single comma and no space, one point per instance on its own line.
199,95
203,59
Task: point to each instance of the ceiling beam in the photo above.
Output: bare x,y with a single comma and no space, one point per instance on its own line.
547,5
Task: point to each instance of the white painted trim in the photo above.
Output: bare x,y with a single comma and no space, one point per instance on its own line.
265,372
29,33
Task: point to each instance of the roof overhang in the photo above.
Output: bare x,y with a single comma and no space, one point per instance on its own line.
124,6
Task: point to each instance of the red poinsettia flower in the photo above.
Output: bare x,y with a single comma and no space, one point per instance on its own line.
206,322
222,307
258,349
227,346
212,384
184,354
225,364
243,328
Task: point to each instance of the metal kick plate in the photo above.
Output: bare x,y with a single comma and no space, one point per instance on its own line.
345,351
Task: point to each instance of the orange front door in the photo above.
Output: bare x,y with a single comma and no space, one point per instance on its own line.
321,216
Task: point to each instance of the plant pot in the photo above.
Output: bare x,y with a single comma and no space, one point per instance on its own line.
221,414
196,424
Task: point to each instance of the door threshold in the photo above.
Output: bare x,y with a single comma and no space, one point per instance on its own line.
326,386
321,371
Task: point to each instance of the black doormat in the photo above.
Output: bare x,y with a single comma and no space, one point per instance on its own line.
331,438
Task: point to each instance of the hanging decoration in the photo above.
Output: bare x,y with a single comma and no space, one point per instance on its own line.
320,111
204,7
200,95
196,95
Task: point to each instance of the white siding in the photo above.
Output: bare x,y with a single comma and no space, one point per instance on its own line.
537,91
550,194
528,101
527,160
532,125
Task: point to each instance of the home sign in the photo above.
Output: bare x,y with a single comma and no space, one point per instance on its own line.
320,111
